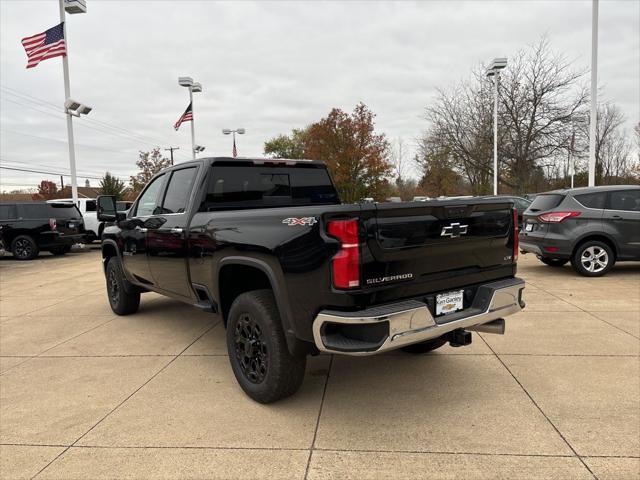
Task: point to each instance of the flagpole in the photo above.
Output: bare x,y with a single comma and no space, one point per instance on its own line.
67,95
193,120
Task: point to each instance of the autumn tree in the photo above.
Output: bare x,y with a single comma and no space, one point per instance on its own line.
110,185
47,189
287,146
357,157
149,163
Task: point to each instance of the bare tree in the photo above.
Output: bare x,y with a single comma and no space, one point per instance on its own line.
460,121
613,149
540,99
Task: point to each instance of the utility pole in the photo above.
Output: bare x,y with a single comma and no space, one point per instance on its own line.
593,119
61,182
171,149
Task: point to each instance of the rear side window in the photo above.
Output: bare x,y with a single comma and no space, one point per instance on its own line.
35,210
179,190
592,200
255,186
625,200
8,212
545,202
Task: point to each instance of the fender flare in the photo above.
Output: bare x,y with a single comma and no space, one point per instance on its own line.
293,343
127,277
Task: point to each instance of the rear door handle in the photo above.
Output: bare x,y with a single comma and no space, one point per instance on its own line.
617,217
176,230
141,229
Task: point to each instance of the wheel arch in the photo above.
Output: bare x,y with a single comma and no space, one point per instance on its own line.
598,237
237,275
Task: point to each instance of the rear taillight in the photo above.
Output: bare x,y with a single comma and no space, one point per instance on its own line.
516,232
346,263
53,224
557,217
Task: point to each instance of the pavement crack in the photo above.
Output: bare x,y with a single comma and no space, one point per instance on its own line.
315,432
541,411
126,399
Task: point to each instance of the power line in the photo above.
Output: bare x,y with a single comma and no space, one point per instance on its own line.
112,129
28,170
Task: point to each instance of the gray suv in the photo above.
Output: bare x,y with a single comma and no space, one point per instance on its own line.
591,227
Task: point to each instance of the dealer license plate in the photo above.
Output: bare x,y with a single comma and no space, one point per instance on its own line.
449,302
528,227
72,225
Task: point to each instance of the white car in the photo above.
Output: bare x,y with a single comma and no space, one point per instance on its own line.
88,208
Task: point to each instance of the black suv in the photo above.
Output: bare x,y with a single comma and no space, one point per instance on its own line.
28,227
593,227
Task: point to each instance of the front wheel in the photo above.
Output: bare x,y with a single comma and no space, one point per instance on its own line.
257,347
124,298
593,259
24,247
553,262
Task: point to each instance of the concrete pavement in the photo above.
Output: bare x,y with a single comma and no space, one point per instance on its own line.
87,394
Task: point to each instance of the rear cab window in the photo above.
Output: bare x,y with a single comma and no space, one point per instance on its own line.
238,186
547,201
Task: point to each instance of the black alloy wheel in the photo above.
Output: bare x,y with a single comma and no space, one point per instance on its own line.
113,286
251,349
24,248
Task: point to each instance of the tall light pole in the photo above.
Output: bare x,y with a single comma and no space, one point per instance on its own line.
494,71
72,7
194,87
593,118
239,131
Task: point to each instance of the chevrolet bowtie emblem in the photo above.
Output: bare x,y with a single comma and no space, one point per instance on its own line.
454,230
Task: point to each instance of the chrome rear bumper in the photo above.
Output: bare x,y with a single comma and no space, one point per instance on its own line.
403,323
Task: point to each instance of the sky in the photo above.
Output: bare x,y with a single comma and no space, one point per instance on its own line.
269,67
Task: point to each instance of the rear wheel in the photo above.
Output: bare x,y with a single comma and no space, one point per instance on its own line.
426,346
124,298
593,259
258,352
24,247
553,262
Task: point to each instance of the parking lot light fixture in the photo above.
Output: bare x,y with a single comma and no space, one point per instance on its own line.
239,131
196,87
494,71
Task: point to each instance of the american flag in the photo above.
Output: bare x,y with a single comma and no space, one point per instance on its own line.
235,150
187,116
45,45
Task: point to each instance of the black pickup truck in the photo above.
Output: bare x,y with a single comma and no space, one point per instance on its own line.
267,245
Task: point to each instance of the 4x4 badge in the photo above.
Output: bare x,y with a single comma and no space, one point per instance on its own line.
454,230
292,221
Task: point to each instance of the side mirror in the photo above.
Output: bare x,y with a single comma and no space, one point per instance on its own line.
107,211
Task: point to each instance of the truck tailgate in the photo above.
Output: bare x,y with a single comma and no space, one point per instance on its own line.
439,244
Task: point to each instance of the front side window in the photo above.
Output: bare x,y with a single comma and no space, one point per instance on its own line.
625,200
592,200
91,206
149,199
179,190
